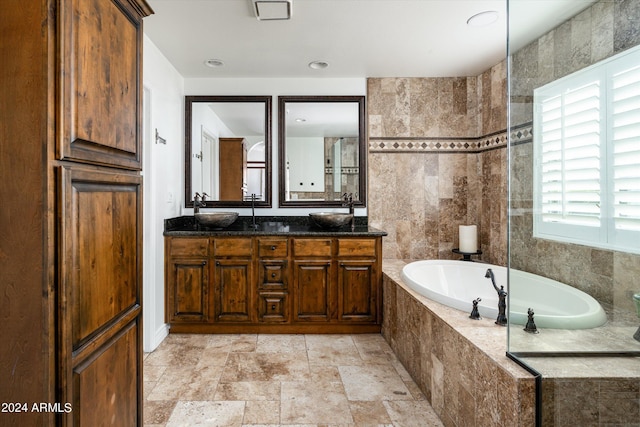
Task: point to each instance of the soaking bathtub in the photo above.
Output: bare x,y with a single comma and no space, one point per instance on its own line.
457,283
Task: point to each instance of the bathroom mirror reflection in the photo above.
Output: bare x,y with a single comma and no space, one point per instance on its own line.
322,150
227,150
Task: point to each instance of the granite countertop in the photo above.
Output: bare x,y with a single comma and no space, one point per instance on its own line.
267,226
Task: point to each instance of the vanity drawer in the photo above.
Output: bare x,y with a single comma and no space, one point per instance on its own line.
312,247
356,247
273,307
232,247
272,248
189,247
273,274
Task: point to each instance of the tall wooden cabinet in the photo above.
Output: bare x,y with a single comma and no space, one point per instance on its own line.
71,216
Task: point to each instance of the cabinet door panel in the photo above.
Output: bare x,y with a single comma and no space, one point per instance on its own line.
100,113
233,290
106,387
188,291
357,291
102,248
312,290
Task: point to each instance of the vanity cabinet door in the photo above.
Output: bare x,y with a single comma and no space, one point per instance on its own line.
187,280
312,290
357,291
187,290
232,290
358,279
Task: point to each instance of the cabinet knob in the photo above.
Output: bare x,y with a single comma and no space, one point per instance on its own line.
273,274
204,262
273,248
217,262
273,307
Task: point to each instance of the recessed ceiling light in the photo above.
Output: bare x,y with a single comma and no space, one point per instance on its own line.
483,18
301,120
318,65
214,63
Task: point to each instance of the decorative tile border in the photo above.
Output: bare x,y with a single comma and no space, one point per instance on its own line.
438,145
521,134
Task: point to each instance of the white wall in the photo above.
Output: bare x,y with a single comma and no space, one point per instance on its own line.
163,179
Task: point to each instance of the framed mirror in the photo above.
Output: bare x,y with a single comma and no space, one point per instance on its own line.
322,150
228,150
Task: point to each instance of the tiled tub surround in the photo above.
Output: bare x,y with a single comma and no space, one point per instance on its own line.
459,364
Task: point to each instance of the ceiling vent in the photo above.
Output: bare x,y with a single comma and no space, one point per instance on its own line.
272,10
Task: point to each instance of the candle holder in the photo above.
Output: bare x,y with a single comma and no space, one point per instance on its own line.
466,256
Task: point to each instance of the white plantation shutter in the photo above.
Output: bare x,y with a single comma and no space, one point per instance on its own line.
625,157
587,156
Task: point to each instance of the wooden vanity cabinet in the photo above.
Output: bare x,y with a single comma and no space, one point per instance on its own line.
274,284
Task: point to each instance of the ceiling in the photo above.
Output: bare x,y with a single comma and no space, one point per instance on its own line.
358,38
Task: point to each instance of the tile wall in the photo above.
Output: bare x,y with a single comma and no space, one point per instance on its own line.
437,160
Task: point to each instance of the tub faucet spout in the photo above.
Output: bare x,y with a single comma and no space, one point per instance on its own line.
502,299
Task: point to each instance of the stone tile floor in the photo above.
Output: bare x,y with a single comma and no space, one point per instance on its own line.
256,380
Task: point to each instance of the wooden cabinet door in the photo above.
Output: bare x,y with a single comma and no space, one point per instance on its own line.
99,293
232,290
101,54
312,290
187,290
357,286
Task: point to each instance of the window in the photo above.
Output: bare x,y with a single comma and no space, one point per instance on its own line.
587,156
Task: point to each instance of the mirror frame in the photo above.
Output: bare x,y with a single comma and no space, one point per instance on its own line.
188,104
362,149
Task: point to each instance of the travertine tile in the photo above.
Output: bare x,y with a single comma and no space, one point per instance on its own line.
369,413
248,390
187,383
261,412
373,382
268,343
158,411
267,387
412,414
317,402
207,413
265,367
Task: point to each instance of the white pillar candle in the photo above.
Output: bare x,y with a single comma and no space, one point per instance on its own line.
468,239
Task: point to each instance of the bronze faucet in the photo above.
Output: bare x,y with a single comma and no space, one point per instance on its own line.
502,299
347,200
199,202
